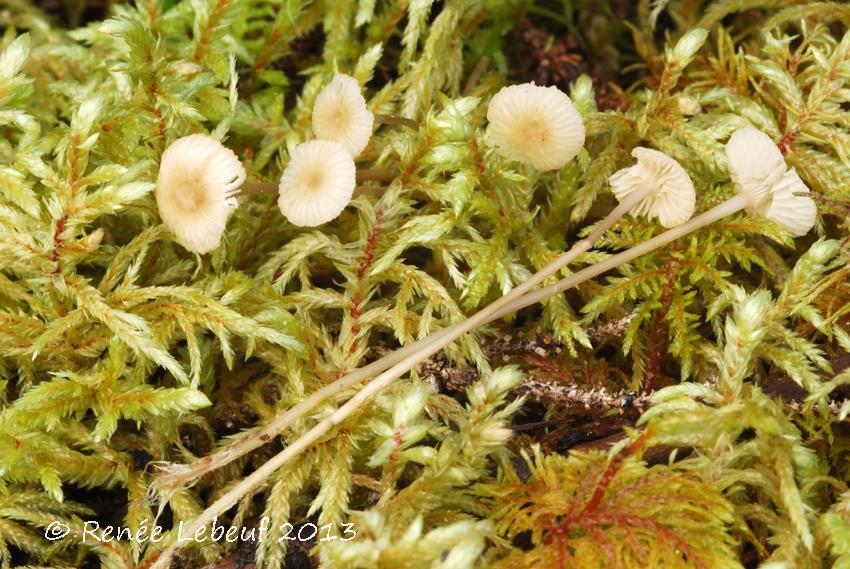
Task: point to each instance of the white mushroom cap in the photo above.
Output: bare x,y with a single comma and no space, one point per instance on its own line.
535,125
340,115
795,213
671,196
317,183
198,178
755,164
758,170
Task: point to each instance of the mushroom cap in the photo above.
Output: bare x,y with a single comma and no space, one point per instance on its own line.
795,213
755,165
340,115
671,196
317,183
535,125
198,178
758,170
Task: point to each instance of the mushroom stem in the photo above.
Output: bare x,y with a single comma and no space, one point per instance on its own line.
175,476
434,344
475,75
377,175
368,191
729,207
258,188
397,121
365,175
517,299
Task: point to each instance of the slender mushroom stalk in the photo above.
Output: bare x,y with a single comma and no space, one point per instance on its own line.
253,481
657,186
640,189
174,476
747,198
259,188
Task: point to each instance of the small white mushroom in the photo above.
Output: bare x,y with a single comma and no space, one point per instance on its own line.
340,115
535,125
667,188
198,179
758,169
317,183
755,164
792,211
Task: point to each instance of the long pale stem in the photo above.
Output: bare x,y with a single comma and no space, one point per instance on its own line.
377,174
729,207
175,476
259,476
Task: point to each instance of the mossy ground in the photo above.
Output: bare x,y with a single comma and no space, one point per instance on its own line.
686,410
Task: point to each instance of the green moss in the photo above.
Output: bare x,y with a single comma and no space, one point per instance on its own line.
122,353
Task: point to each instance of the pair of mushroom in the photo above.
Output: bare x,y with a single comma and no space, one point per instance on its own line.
757,169
199,178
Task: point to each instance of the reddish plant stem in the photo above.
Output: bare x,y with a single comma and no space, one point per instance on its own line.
57,239
787,140
612,470
482,176
371,243
268,47
634,521
215,17
658,330
152,13
355,328
362,269
74,166
557,535
392,20
73,177
154,90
